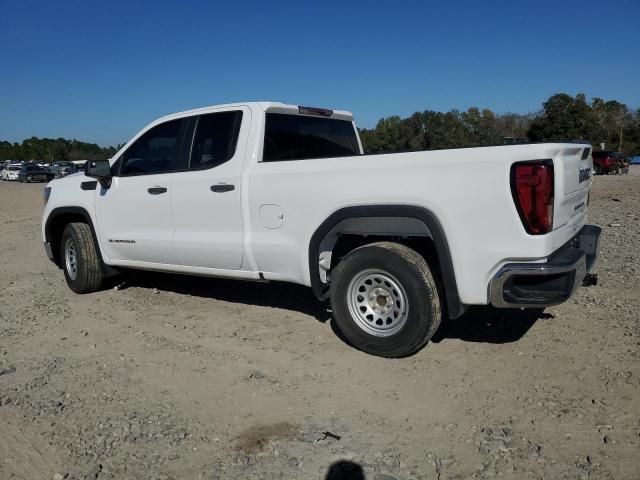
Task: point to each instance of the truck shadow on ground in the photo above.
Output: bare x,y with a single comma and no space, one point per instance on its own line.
478,324
485,324
264,294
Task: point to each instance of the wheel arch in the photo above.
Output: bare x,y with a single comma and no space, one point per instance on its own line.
58,219
423,221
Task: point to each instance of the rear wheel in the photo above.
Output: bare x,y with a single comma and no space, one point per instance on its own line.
385,299
597,170
80,262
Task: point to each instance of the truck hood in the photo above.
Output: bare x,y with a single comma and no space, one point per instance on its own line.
69,180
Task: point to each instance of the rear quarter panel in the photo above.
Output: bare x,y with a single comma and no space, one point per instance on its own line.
467,189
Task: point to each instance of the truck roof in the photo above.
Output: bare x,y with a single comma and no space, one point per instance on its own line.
274,107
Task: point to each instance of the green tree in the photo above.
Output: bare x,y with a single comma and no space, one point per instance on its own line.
564,118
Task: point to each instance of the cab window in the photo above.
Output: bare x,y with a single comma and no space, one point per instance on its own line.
215,139
156,151
299,137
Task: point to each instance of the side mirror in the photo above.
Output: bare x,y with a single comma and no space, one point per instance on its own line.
100,170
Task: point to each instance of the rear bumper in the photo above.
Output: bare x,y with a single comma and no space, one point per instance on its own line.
536,285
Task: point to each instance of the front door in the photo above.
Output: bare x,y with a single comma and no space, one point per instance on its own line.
134,215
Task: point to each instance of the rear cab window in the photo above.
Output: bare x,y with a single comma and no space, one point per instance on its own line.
215,139
301,137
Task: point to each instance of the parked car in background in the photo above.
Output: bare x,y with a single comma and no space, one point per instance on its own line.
34,173
10,172
606,161
54,167
624,165
62,169
635,160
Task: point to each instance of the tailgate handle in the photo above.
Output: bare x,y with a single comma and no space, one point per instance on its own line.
222,187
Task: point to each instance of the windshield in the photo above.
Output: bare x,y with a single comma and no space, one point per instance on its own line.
14,168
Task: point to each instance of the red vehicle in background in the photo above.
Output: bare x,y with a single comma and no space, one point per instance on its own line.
606,161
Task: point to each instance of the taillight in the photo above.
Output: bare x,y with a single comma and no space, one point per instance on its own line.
318,112
532,190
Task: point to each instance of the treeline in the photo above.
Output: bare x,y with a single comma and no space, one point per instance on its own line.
49,150
562,118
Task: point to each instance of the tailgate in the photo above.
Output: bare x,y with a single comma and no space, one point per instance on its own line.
576,164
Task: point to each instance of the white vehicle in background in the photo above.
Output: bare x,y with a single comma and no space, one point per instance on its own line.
3,167
10,172
268,191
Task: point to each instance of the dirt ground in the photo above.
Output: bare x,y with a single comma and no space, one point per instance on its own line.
178,378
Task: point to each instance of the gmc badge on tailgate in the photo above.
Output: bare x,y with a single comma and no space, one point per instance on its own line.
584,174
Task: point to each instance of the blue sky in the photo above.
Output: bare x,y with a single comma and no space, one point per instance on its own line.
99,71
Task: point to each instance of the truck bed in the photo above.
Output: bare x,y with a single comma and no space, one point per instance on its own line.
468,190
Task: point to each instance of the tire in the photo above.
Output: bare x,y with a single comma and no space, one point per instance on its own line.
29,179
79,258
597,170
385,300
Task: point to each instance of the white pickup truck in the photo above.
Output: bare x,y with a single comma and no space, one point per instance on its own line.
268,191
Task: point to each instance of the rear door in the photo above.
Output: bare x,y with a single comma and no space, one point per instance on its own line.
206,197
134,214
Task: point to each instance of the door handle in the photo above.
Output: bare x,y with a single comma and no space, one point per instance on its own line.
156,190
222,187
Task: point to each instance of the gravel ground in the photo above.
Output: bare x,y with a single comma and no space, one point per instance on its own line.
179,378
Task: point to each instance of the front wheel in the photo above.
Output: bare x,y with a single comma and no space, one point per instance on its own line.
385,300
80,261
